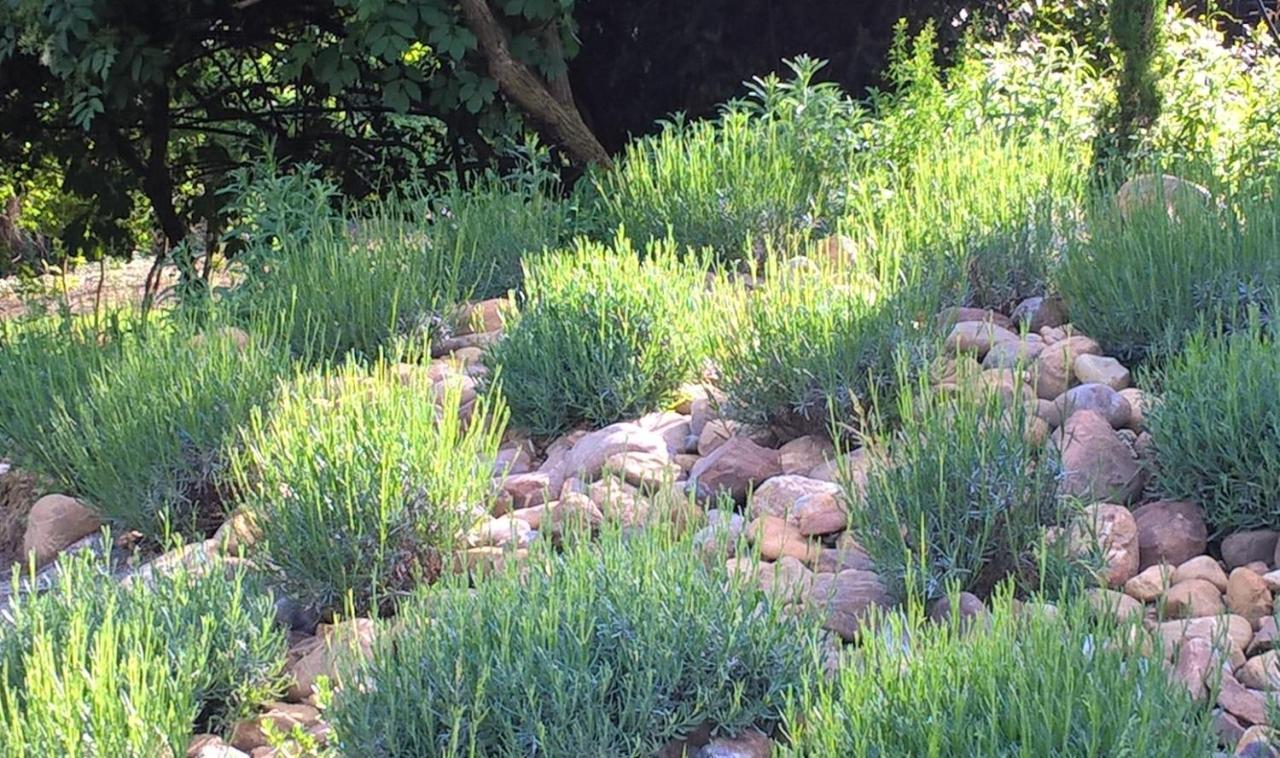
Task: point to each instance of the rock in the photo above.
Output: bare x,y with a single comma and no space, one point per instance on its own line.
1246,547
854,464
734,468
837,559
1193,598
977,337
971,607
1193,663
644,469
1235,629
1261,672
1256,743
1013,353
1179,196
55,522
815,506
949,317
212,746
1110,531
720,535
237,534
527,490
481,316
675,428
749,744
249,734
1095,397
803,454
1138,405
193,558
1265,638
1047,411
1052,372
1272,578
320,656
1170,531
1250,706
1097,466
514,459
1101,369
620,502
1035,313
1119,605
787,577
1227,727
774,537
1201,567
1247,595
846,598
1258,567
588,456
483,561
1150,583
499,532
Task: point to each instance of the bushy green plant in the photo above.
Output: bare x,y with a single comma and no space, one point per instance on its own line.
1026,683
959,495
815,341
138,426
612,648
1216,429
363,482
93,667
769,168
1138,281
602,334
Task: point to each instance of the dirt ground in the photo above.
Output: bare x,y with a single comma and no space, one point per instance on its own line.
81,288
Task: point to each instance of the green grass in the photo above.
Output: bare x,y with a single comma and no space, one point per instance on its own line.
93,668
602,334
613,647
958,495
1022,684
1216,430
1138,286
138,426
363,484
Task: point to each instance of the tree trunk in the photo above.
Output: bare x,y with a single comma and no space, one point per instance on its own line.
528,90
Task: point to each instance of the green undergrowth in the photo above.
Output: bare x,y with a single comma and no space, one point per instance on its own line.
135,418
611,647
94,668
363,481
1019,683
602,333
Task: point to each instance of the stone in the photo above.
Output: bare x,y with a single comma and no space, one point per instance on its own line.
833,560
949,317
1192,598
1228,628
774,538
1047,411
1261,672
970,606
1170,531
620,502
815,506
644,469
675,428
1095,397
527,490
502,531
846,598
1119,605
1272,578
481,316
1258,567
720,535
1250,706
238,533
54,523
1227,727
1138,406
1052,373
787,577
749,744
587,458
321,654
1256,743
734,468
1148,585
1109,531
976,337
251,733
1097,466
1201,567
1193,664
212,746
1016,353
483,561
1246,547
854,465
1265,637
1247,595
1179,196
514,459
1036,313
803,454
1101,369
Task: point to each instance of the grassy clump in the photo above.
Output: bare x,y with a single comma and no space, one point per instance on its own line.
611,648
1216,430
1138,285
364,483
602,334
93,667
813,342
769,168
135,419
1023,684
958,496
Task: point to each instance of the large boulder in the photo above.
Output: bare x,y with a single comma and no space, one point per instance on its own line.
54,522
1095,397
734,468
1170,531
1179,196
588,456
846,598
815,506
1096,465
1109,531
319,655
1053,370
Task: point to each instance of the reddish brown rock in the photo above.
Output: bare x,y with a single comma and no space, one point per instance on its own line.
1150,583
1052,373
803,454
55,522
1116,604
1109,531
1170,531
977,337
774,537
1250,706
1247,595
734,468
1202,567
1193,663
1095,397
1193,598
1261,672
846,598
1246,547
1037,313
1097,466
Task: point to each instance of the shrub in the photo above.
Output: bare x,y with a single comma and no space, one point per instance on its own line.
611,648
1216,431
1025,684
139,426
97,667
1139,285
364,483
812,343
769,168
601,335
959,495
